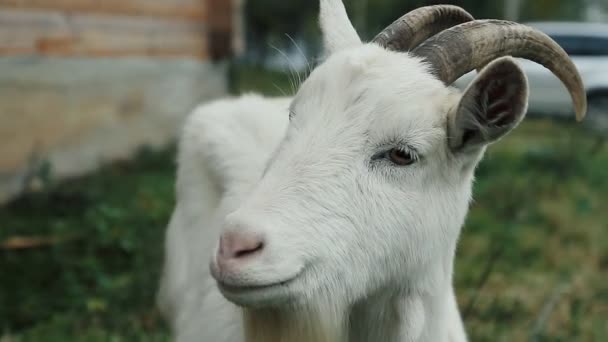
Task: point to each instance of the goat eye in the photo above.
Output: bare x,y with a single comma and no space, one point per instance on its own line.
400,157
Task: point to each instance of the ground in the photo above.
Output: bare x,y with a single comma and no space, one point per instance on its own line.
532,262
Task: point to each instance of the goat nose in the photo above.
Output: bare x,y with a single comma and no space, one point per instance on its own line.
239,245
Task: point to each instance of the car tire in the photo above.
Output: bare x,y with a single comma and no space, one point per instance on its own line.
597,112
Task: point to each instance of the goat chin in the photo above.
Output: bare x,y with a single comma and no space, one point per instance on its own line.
270,325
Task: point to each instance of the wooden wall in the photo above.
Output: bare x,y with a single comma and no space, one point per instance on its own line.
116,28
85,82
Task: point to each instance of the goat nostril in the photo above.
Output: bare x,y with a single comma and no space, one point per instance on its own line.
239,245
246,252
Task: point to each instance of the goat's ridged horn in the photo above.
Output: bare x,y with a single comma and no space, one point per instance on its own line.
463,48
418,25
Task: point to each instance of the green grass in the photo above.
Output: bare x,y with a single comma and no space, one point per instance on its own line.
541,207
244,79
98,284
536,240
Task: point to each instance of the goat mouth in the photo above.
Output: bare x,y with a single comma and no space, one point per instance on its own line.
261,295
238,288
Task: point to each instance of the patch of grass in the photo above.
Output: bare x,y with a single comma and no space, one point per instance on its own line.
532,263
540,204
99,280
245,78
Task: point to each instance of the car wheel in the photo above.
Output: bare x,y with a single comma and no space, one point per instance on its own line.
597,112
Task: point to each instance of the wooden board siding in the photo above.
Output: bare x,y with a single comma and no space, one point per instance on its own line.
55,33
80,113
116,28
175,9
220,28
86,82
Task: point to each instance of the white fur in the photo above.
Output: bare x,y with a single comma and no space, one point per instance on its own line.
338,32
370,245
222,150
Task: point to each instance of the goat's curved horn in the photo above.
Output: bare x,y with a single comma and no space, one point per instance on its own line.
418,25
463,48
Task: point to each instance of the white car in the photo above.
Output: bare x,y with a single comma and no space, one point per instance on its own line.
587,45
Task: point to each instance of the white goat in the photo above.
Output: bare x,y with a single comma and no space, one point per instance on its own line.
334,215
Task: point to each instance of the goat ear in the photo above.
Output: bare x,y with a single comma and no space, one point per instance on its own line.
338,31
491,106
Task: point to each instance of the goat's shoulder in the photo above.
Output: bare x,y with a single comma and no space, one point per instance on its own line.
233,135
233,119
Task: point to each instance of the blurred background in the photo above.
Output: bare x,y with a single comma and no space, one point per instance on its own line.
92,98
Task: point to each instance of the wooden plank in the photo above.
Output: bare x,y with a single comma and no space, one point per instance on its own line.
221,17
76,113
221,26
57,34
187,9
